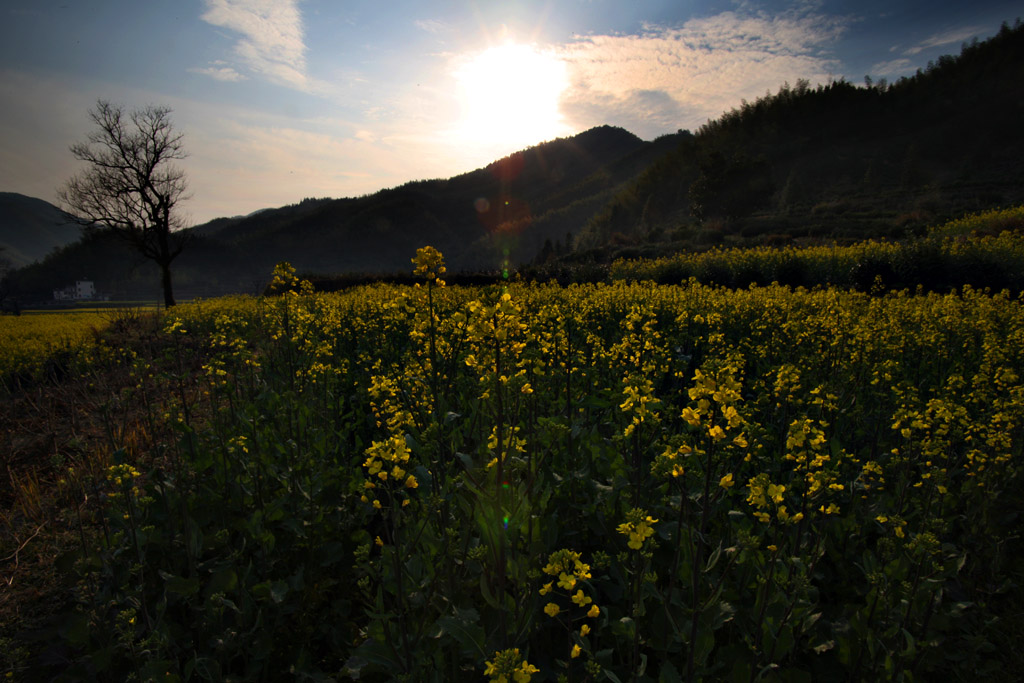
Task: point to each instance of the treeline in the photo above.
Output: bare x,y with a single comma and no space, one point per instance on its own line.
837,161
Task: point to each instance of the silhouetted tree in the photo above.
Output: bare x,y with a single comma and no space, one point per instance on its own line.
131,185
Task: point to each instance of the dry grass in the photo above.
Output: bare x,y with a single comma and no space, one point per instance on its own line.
56,441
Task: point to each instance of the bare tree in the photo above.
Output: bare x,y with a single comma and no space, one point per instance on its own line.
131,185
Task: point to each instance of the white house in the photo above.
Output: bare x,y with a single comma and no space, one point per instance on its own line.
82,289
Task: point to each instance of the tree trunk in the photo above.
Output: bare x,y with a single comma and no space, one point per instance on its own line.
165,280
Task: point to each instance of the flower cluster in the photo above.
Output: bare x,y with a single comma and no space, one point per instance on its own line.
123,477
638,527
508,666
568,570
429,263
766,496
387,460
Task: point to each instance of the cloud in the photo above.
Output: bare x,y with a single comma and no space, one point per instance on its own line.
892,67
220,72
682,76
950,37
637,110
271,38
431,26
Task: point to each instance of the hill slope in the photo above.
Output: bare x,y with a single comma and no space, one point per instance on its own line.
839,161
470,217
31,228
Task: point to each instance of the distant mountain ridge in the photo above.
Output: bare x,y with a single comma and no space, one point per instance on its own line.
468,217
31,228
485,219
834,162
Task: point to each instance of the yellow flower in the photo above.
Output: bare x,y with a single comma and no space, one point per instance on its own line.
594,611
584,630
524,672
551,609
379,541
581,599
410,482
726,481
566,581
691,416
773,547
506,663
546,588
576,649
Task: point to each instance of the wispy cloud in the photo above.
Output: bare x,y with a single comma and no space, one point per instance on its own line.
431,26
219,71
892,67
694,72
270,42
951,37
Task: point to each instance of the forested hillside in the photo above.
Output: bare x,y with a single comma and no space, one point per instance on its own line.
838,161
834,162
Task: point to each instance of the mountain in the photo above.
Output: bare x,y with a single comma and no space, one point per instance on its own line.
836,162
502,213
31,228
512,204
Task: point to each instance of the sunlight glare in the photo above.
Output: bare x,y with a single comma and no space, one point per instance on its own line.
509,95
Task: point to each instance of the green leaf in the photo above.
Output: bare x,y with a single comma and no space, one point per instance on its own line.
463,627
713,560
371,652
704,645
610,676
466,460
784,642
179,585
274,592
485,591
669,674
224,580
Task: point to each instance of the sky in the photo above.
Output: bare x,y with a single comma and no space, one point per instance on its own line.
279,100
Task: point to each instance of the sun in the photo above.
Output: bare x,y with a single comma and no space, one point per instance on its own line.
509,96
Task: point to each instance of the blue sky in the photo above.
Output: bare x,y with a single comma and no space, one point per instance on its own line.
285,99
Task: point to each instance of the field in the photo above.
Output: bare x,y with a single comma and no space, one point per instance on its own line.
624,481
28,342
